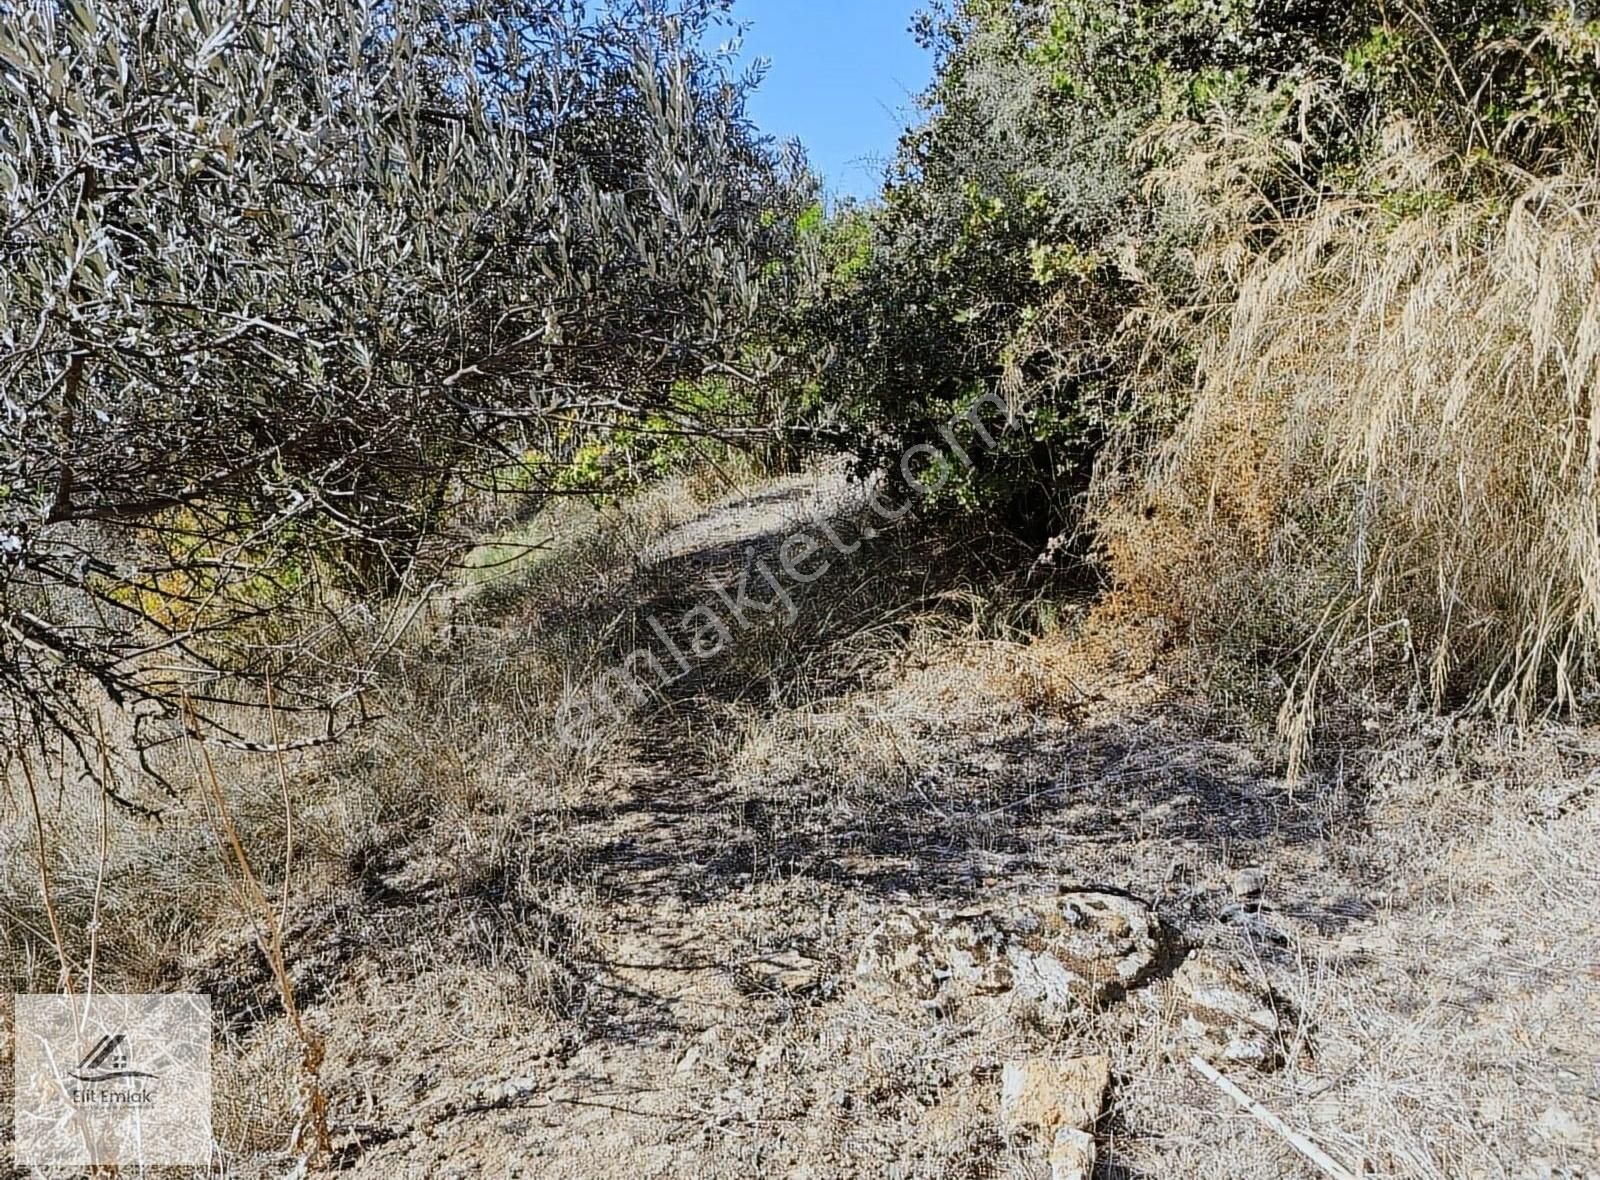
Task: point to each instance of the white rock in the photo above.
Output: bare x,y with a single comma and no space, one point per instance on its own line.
1041,1094
1559,1126
1061,952
1072,1155
785,971
1248,883
1224,1015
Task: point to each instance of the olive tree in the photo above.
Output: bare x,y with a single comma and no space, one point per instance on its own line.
276,274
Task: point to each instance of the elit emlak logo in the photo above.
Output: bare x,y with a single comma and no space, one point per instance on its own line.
111,1078
108,1061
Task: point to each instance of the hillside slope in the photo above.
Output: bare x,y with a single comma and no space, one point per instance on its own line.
777,925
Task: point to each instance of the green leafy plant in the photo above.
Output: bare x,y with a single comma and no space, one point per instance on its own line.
279,278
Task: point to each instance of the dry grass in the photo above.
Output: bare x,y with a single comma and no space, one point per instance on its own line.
461,754
1388,467
1438,1003
521,956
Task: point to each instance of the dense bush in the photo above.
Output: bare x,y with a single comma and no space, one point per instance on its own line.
1277,357
1386,478
281,279
277,277
1381,477
1019,239
1293,300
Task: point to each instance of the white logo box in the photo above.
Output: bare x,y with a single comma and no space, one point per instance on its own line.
112,1079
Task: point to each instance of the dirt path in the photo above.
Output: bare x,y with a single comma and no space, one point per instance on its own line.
705,909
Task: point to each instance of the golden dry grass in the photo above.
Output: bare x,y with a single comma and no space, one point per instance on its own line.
1387,469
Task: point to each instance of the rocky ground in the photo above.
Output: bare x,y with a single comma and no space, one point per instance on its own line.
972,905
976,916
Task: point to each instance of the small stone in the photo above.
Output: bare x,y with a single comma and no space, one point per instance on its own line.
1559,1127
1368,944
1040,1094
489,1092
1225,1016
1072,1154
1248,918
1493,1110
1249,883
785,971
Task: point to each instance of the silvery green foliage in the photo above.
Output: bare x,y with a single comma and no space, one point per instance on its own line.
273,272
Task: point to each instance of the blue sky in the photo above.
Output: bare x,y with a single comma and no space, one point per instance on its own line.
843,75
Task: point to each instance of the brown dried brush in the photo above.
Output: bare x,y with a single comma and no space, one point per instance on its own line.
1390,456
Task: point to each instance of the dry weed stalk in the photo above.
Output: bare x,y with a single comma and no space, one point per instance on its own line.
314,1103
65,981
1301,1143
102,854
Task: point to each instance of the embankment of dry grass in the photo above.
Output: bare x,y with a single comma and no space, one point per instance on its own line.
1386,477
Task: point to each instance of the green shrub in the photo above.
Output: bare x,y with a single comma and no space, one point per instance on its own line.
281,277
1019,237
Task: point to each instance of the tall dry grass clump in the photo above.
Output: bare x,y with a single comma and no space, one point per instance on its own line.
1387,469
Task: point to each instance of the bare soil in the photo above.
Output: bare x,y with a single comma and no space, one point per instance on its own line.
642,960
657,975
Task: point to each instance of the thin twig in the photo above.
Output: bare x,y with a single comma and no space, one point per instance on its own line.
44,878
283,791
315,1113
103,853
1262,1115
